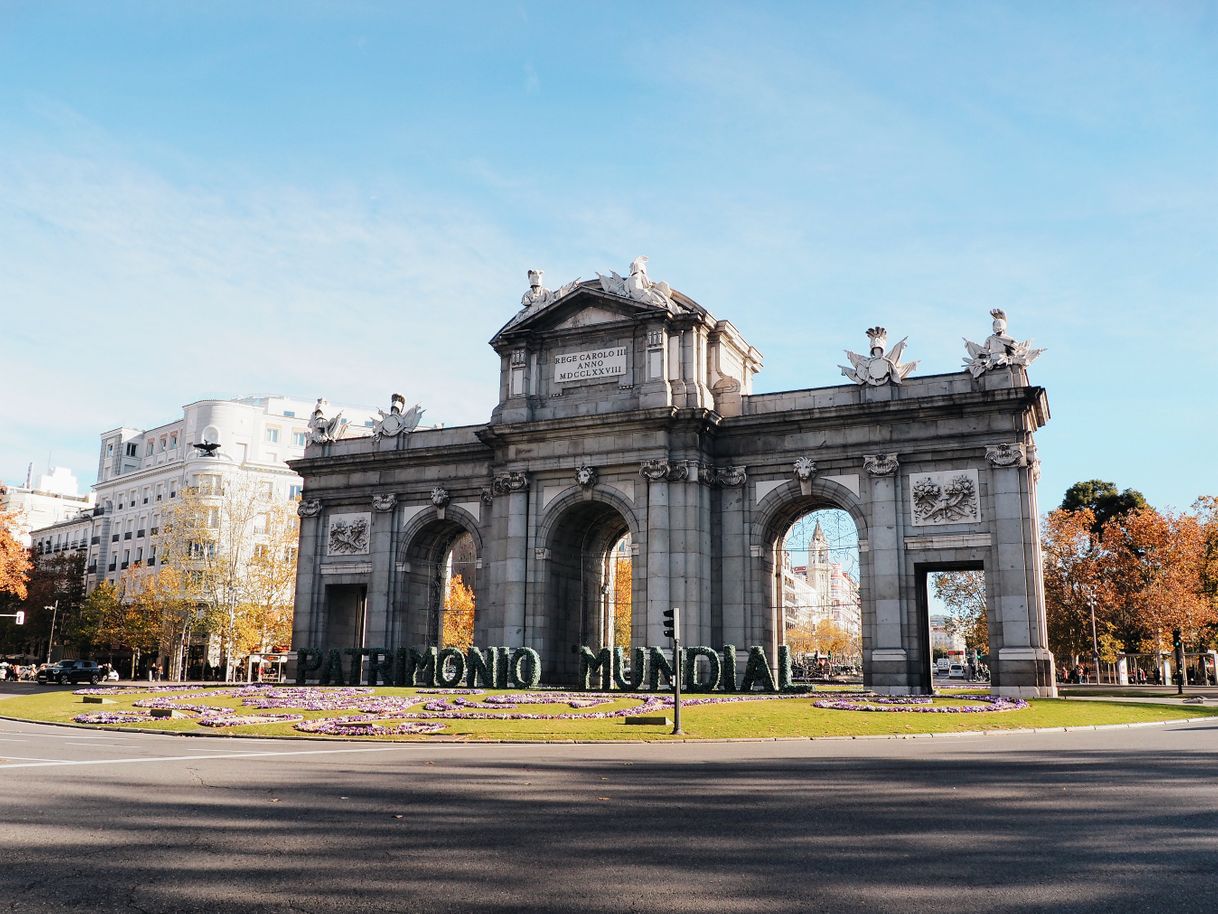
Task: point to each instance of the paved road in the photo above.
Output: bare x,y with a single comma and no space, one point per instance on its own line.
1113,821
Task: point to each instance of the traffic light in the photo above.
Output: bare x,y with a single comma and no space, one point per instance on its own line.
20,617
672,623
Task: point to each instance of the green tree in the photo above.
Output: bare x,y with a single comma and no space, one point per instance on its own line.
963,593
1103,500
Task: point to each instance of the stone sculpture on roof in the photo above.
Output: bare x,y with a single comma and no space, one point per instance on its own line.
538,295
878,368
999,350
396,422
321,429
638,285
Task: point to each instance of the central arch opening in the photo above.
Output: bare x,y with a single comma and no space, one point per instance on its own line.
437,599
589,588
817,598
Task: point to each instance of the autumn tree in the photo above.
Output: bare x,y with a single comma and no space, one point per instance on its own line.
623,583
100,615
963,594
1154,565
1074,579
230,538
458,627
15,561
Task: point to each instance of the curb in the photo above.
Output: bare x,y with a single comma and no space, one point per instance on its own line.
453,741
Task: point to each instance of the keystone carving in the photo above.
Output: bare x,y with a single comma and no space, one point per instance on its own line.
586,476
880,464
384,502
804,468
309,507
439,496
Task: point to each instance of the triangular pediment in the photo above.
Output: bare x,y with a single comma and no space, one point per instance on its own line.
584,306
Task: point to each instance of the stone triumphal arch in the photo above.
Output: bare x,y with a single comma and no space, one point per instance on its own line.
628,453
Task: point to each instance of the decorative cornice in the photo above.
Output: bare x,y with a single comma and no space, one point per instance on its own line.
880,464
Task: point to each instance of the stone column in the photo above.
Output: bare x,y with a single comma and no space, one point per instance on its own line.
515,559
887,659
1023,665
659,595
383,543
308,625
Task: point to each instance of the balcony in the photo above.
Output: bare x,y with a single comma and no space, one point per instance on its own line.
156,530
91,569
94,541
125,564
151,560
111,566
114,538
139,532
127,535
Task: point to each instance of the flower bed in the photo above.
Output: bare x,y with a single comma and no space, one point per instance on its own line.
921,704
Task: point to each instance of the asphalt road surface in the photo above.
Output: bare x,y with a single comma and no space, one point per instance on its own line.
1110,820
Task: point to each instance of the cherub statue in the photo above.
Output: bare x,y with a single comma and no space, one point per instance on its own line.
878,368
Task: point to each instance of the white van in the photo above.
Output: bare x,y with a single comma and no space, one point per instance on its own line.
942,665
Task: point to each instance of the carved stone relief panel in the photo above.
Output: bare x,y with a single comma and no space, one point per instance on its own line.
347,534
950,497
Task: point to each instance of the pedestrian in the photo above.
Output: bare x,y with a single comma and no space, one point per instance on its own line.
160,670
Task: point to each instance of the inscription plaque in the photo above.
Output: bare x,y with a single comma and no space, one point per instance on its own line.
589,365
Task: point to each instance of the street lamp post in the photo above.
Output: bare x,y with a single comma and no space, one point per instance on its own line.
1095,644
51,637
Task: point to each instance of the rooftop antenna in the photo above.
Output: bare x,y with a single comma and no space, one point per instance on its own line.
29,474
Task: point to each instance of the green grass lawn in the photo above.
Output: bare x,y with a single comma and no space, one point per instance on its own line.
793,717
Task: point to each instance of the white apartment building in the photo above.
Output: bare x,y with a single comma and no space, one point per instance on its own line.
56,498
141,471
822,589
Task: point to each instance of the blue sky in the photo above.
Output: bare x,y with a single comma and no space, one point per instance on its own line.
342,199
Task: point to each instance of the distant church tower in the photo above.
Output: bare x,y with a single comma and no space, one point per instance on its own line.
819,574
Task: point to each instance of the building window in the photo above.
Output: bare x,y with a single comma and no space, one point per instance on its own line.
294,491
267,489
300,439
132,449
110,449
207,484
149,447
260,523
173,440
272,435
290,413
213,518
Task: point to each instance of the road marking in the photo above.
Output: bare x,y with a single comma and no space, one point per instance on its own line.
47,763
27,758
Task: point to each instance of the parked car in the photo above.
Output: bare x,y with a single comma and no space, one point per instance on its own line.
955,671
73,671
